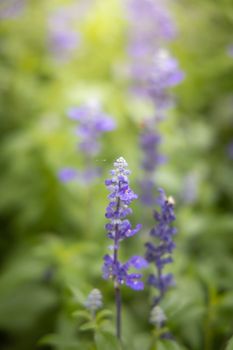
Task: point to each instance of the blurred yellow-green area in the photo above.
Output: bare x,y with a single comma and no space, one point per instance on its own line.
53,238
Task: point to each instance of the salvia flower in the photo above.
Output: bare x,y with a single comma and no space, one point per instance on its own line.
164,74
92,123
11,8
149,142
119,228
149,23
159,253
94,300
64,36
153,73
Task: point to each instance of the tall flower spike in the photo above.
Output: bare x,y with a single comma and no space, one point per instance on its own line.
160,253
119,229
153,72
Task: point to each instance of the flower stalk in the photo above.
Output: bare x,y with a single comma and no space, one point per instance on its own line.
119,229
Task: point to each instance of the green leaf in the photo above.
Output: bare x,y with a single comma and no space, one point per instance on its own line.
88,326
106,341
82,314
49,339
103,314
168,345
59,341
230,344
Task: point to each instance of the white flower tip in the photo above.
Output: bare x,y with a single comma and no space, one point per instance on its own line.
157,316
171,200
120,163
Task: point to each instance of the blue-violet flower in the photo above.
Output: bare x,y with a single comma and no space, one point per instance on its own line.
92,123
120,228
159,253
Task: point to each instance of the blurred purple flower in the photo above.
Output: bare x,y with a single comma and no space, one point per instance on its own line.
149,142
85,176
67,174
147,192
165,73
92,123
153,73
149,23
151,159
160,253
11,8
64,38
230,50
190,188
230,150
119,228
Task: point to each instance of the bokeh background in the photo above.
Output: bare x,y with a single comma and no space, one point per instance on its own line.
58,54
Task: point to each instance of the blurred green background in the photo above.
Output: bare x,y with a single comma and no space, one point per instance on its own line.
52,234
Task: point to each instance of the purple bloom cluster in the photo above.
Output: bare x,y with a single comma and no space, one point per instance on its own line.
230,50
11,8
119,272
92,123
230,150
120,228
64,38
150,22
149,142
154,72
165,73
160,252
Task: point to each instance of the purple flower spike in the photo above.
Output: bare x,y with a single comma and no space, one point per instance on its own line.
160,253
153,72
119,228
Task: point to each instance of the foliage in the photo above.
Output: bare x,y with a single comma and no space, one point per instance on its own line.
52,234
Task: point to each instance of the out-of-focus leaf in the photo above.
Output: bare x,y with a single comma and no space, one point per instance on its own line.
230,344
106,341
103,314
88,326
82,314
168,345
